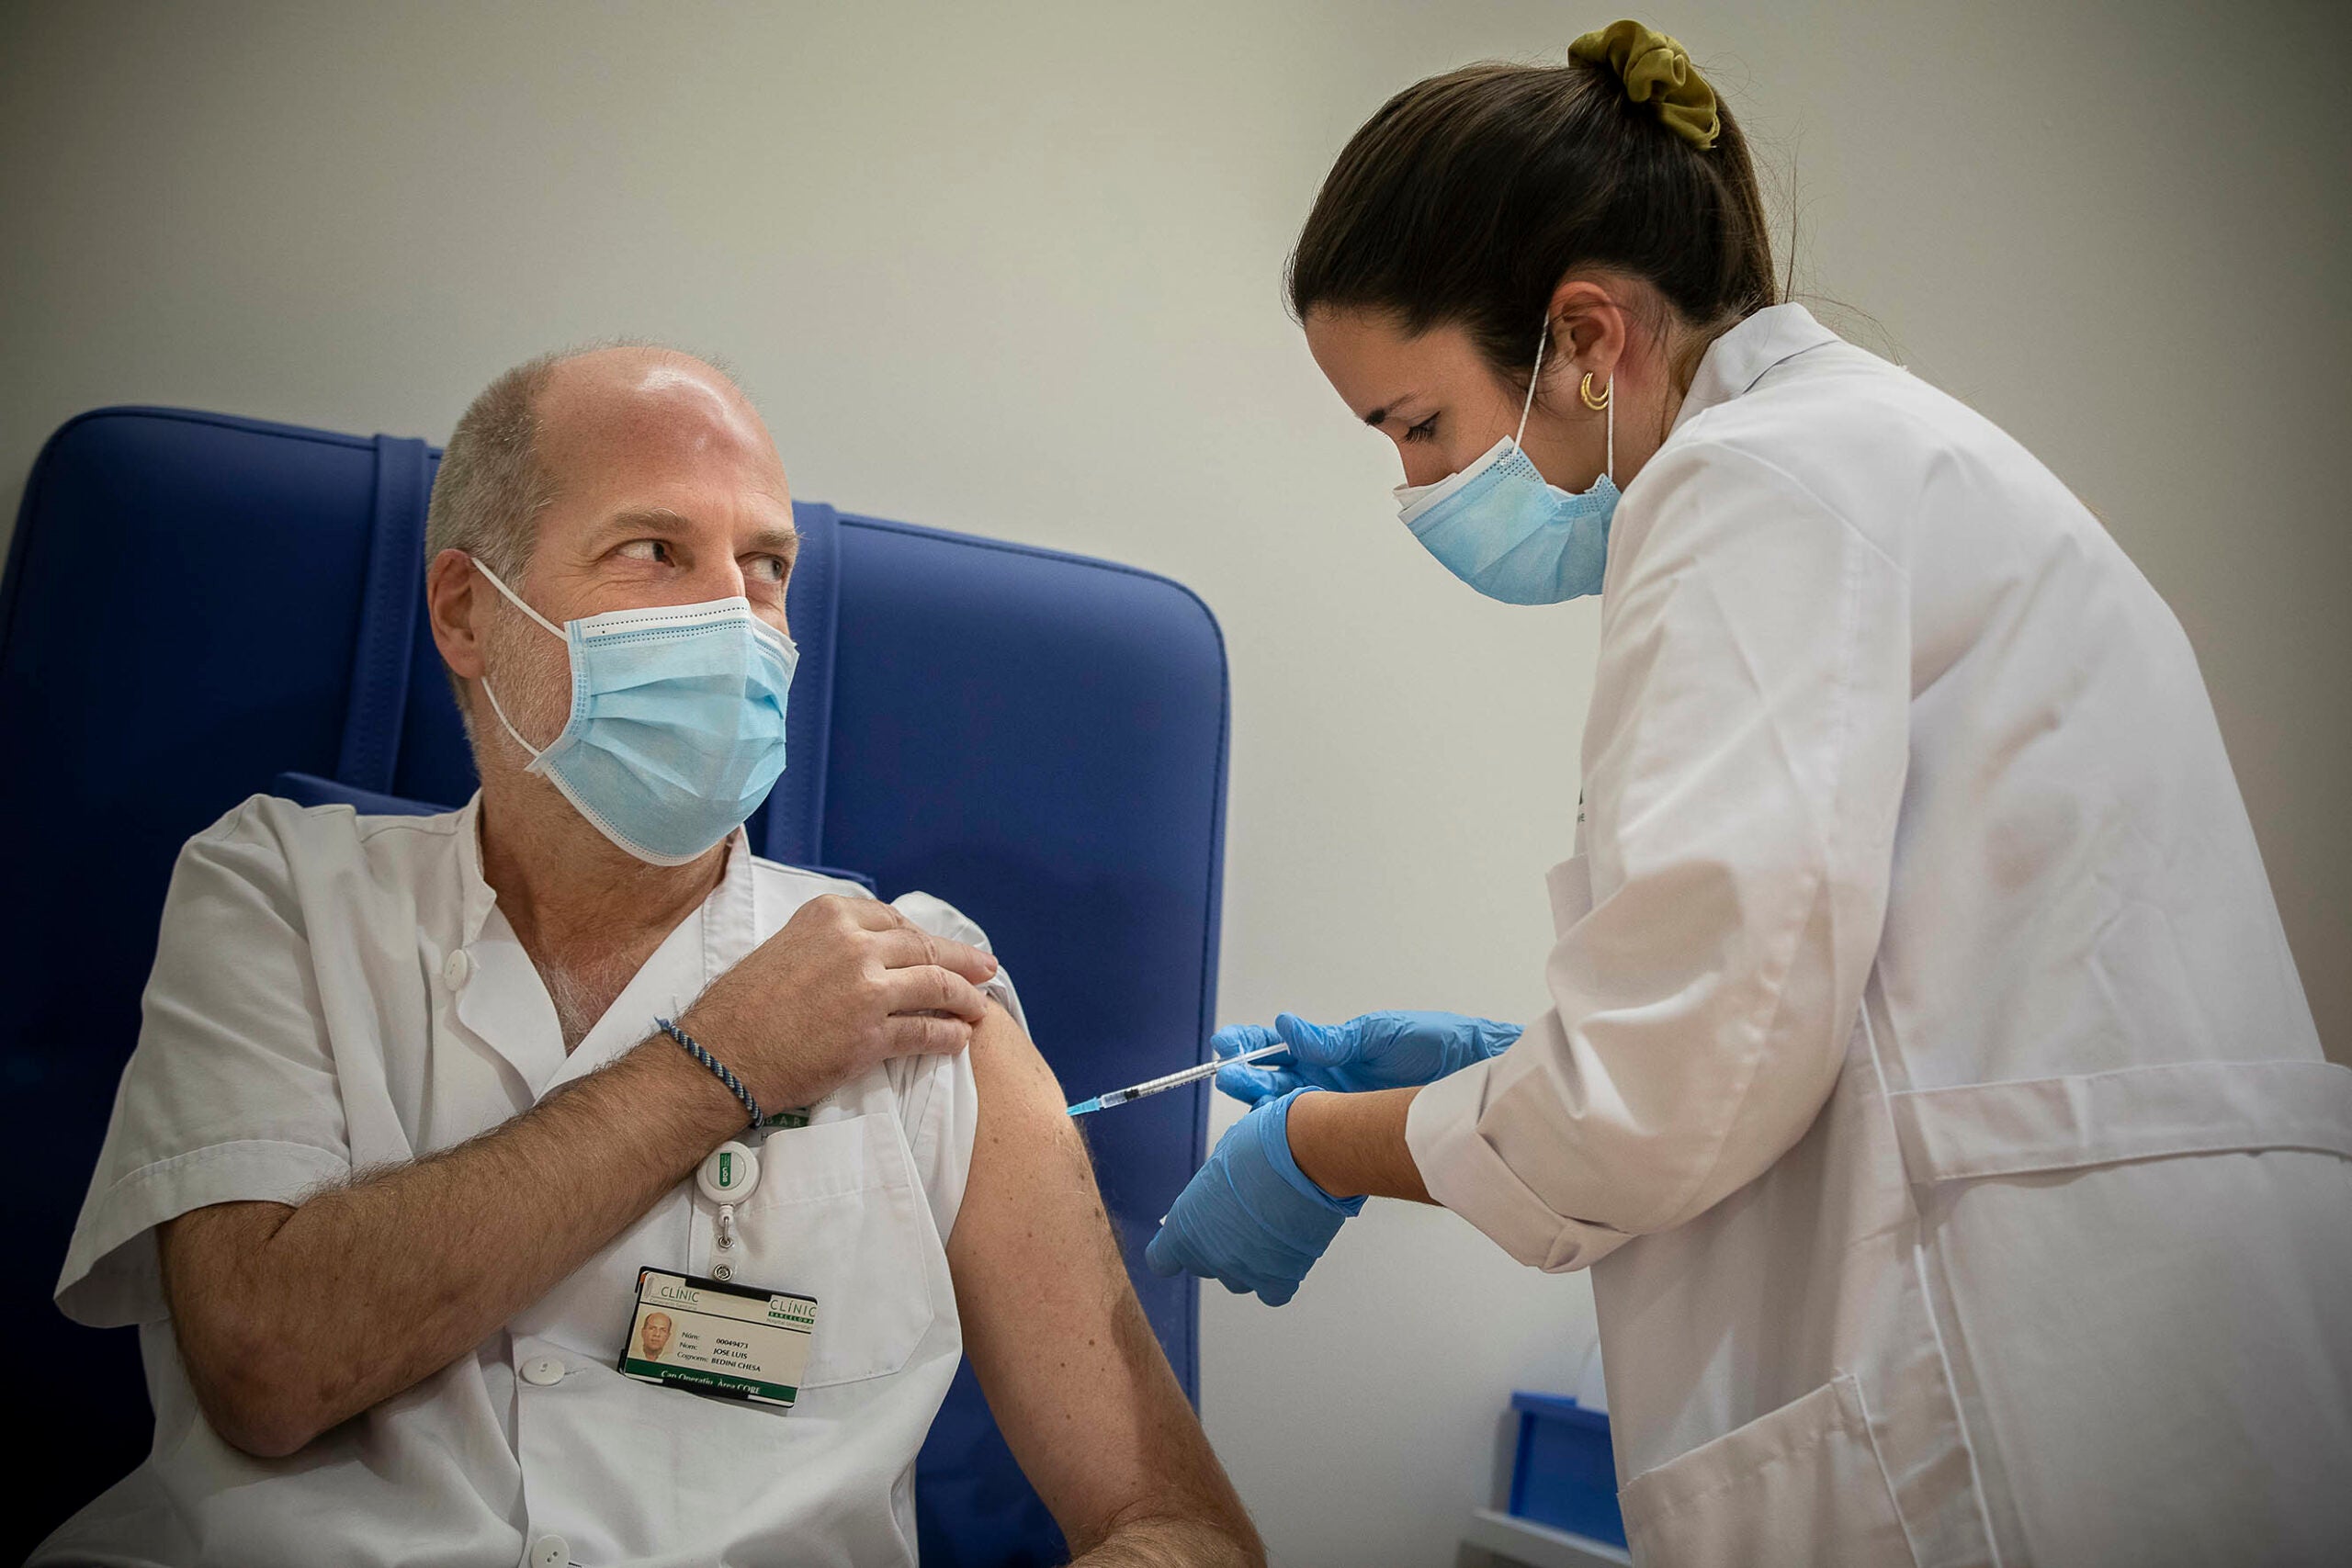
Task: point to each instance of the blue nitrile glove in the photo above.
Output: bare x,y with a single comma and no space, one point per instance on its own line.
1250,1217
1379,1049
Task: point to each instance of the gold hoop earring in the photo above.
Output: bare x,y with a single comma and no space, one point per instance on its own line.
1585,391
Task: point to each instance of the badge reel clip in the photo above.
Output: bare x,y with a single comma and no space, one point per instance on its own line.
728,1176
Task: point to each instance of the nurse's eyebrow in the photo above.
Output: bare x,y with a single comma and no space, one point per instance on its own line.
1379,416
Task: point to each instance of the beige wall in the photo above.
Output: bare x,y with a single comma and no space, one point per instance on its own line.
1016,270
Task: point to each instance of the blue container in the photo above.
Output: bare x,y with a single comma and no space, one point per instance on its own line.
1563,1473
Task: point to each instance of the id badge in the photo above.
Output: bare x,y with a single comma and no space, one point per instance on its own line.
716,1337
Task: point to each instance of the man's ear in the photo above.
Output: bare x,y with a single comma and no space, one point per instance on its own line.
454,607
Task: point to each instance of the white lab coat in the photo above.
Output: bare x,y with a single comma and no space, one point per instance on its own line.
334,992
1928,1080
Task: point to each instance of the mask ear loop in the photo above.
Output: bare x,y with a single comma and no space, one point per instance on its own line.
1528,407
1610,426
516,600
490,692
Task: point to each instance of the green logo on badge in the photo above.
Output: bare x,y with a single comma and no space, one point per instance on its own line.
726,1170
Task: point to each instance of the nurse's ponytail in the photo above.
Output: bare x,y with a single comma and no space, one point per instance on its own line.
1469,195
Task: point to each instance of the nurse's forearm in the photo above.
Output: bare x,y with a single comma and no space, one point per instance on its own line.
293,1320
1353,1144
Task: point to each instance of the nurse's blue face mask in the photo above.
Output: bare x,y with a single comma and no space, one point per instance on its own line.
676,730
1501,528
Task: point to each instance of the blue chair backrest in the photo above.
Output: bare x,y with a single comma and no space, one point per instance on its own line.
196,607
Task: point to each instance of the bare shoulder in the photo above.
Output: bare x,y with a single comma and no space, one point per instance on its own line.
1014,1081
1029,1164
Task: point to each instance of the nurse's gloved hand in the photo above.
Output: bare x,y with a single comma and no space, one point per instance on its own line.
1250,1217
1379,1049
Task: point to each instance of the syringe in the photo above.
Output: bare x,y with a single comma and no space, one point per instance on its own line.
1173,1081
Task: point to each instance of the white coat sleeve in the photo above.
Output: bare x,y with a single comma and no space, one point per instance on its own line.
938,1094
1744,764
231,1094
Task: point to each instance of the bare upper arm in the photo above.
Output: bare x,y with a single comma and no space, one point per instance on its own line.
1078,1383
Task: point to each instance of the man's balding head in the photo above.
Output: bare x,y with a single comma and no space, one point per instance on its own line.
517,441
601,480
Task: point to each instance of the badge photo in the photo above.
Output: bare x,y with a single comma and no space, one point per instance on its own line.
713,1337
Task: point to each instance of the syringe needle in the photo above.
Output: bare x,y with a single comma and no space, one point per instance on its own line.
1110,1098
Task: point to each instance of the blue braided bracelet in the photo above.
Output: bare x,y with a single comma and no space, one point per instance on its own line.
714,1064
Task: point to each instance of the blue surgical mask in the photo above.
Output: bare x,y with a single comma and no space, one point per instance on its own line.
1501,528
676,730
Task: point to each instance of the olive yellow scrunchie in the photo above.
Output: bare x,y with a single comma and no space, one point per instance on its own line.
1653,65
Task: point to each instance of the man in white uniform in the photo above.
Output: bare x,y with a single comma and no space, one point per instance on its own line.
402,1129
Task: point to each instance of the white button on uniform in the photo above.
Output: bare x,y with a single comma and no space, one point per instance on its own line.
548,1552
457,968
543,1370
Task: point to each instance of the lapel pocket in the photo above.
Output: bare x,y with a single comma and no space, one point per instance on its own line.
837,1216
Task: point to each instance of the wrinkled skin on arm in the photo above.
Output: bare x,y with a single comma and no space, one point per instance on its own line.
1081,1389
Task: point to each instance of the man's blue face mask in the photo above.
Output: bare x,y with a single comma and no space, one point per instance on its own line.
1501,528
676,730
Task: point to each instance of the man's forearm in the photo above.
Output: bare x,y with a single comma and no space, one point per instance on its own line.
1353,1144
416,1264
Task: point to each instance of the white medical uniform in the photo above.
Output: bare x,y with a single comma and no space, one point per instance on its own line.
1928,1079
332,992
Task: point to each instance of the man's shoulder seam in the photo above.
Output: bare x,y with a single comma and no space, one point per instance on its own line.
441,824
837,884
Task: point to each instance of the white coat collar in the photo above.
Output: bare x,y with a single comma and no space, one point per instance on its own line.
1737,360
475,887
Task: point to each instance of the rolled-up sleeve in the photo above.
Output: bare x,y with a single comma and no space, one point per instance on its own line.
231,1094
938,1094
1744,759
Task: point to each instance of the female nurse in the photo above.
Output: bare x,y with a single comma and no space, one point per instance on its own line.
1926,1080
